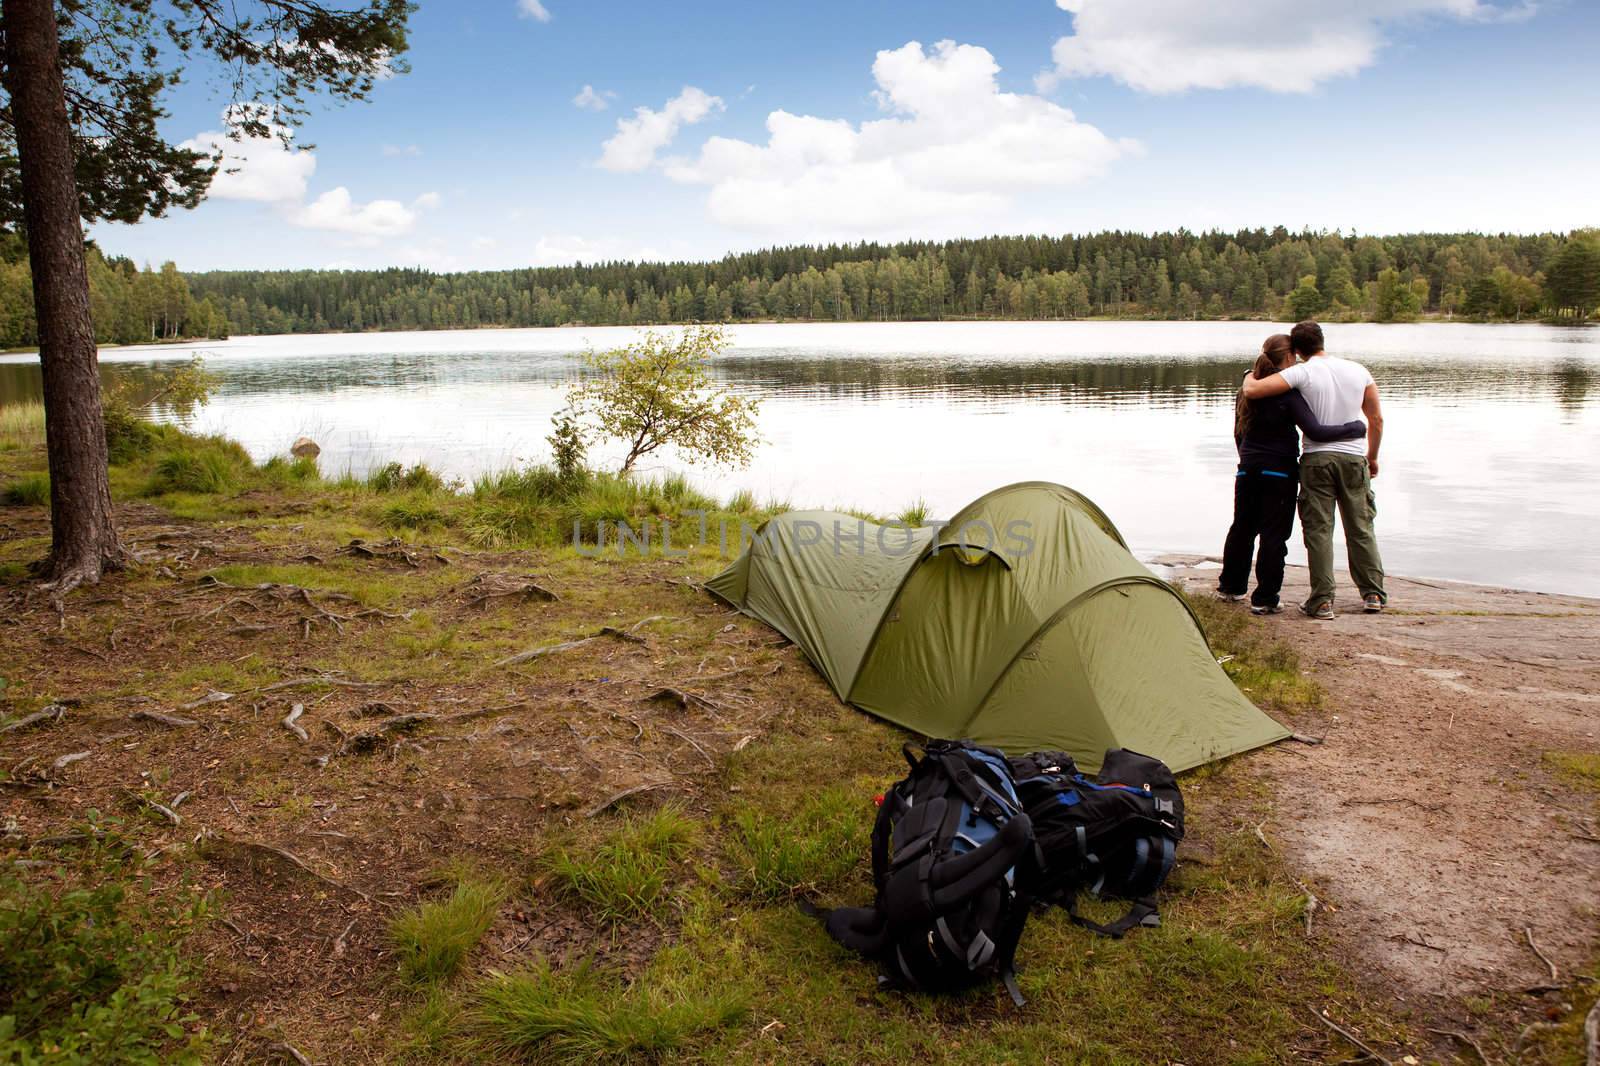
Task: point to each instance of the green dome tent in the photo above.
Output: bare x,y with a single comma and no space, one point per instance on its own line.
1024,623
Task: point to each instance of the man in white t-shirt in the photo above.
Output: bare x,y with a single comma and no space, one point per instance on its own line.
1334,474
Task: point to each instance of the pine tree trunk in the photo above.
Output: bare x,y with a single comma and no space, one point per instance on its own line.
83,535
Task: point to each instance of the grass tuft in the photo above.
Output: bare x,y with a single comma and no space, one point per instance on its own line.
393,477
1579,768
627,876
21,426
433,940
578,1014
916,515
30,491
813,846
206,465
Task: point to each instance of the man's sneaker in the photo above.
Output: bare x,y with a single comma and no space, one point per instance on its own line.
1229,597
1271,608
1373,603
1322,611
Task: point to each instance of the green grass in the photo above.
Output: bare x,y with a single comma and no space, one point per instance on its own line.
627,875
21,426
393,477
1580,769
1265,669
810,846
30,491
915,515
433,940
580,1014
92,966
206,465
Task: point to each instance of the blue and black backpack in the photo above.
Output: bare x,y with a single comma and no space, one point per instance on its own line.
949,852
1115,835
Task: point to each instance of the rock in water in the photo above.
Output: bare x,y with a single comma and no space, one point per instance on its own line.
305,448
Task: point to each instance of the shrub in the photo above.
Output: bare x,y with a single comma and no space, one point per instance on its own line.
415,511
91,970
128,436
30,491
193,469
393,477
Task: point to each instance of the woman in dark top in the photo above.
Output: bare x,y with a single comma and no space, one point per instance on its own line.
1268,480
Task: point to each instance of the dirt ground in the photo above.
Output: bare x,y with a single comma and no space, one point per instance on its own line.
1430,824
1431,819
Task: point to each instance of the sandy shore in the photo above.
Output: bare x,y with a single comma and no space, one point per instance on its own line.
1436,819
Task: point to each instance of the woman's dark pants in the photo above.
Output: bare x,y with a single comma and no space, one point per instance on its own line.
1263,506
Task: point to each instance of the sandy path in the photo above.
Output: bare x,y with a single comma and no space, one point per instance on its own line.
1430,818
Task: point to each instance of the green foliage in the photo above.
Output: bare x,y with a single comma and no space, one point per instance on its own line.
657,392
202,464
1580,768
415,511
1394,300
434,939
119,59
282,472
1306,300
1159,275
30,491
91,967
567,443
804,848
626,875
580,1015
393,477
915,515
21,426
1573,279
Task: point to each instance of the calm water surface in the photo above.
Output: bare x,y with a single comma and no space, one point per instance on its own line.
1491,460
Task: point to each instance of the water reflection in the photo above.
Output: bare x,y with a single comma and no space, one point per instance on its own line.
1488,471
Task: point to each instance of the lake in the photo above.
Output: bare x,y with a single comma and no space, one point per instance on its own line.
1490,465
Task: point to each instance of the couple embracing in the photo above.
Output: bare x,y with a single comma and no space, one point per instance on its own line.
1326,398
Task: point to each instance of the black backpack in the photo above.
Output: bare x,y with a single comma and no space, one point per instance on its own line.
949,851
1115,835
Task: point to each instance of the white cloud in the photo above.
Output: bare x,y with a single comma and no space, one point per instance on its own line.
589,99
1167,46
337,212
263,169
426,202
394,150
638,139
566,249
955,148
533,9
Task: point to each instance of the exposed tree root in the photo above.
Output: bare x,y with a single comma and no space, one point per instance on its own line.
52,713
292,725
1348,1035
219,846
1465,1039
160,718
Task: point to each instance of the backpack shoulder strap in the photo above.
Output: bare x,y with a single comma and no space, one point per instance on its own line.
1143,912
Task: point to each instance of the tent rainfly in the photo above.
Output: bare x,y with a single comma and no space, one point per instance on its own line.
1024,623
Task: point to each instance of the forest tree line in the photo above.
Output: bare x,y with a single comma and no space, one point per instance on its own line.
1250,274
129,305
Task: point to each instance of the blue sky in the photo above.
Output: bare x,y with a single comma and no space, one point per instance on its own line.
773,123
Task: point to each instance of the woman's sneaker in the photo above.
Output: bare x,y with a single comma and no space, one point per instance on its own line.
1229,597
1373,603
1270,608
1322,611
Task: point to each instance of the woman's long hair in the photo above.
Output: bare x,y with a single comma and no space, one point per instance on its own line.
1276,354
